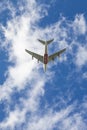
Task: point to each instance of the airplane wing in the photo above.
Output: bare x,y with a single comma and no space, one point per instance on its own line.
52,57
37,56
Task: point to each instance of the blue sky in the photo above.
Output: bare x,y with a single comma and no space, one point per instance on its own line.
29,98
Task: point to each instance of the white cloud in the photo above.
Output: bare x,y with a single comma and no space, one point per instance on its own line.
81,56
8,7
19,35
49,120
13,119
30,104
74,122
60,120
79,25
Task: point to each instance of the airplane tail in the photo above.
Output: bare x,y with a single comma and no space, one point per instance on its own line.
43,42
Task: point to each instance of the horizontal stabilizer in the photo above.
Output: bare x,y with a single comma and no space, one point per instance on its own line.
43,42
48,42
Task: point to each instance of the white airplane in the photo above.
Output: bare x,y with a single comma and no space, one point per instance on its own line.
45,59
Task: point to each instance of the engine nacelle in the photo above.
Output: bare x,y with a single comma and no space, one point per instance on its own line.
38,60
32,57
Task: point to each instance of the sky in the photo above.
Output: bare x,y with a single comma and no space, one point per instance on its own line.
31,99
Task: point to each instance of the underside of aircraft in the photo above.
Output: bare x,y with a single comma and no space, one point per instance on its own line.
45,59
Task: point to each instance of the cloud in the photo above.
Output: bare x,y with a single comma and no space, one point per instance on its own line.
63,119
81,56
79,25
58,120
13,119
49,120
18,36
74,122
30,104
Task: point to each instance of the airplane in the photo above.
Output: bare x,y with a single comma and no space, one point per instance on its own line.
45,59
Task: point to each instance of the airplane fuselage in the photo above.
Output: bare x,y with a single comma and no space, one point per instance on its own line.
45,58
